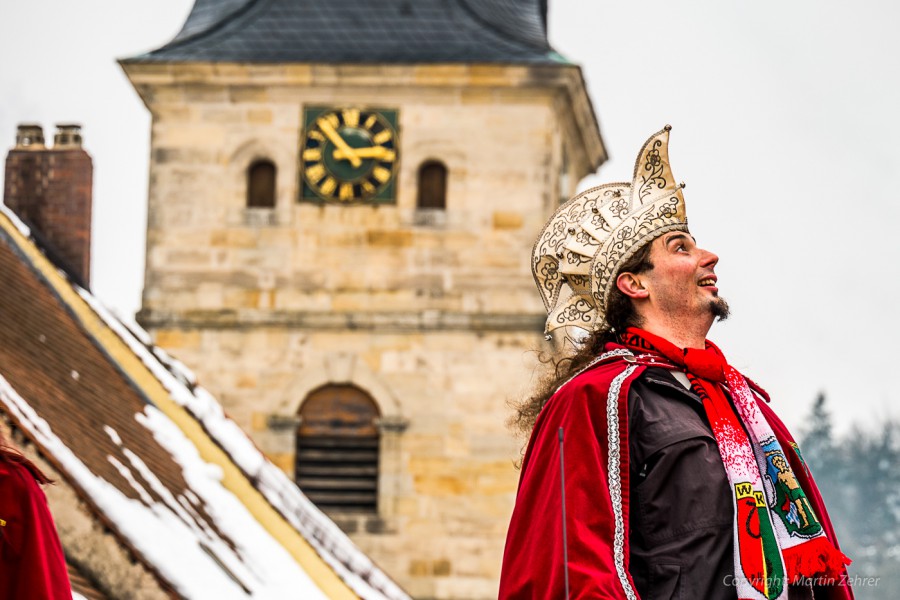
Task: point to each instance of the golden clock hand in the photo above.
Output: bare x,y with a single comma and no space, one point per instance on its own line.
372,152
338,141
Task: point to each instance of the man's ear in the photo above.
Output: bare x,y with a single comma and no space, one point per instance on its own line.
630,285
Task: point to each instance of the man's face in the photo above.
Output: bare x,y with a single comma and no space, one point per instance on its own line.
682,283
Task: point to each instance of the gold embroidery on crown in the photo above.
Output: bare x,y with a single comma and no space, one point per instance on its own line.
581,248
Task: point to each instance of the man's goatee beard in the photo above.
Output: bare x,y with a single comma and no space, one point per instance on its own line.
719,309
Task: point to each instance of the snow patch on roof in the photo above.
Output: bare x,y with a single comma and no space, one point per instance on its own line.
113,435
126,474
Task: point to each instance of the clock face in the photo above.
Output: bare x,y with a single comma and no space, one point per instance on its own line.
349,155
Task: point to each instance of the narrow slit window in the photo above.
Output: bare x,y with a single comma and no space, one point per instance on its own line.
261,184
432,186
337,449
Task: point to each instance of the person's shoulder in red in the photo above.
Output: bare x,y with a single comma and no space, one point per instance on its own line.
588,391
32,564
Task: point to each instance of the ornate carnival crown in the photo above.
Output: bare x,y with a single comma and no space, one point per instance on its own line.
577,257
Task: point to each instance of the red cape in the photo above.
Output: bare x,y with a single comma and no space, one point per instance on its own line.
32,564
597,505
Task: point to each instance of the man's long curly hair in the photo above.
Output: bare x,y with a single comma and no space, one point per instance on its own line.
620,314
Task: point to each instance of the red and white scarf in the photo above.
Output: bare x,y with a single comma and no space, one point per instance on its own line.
778,538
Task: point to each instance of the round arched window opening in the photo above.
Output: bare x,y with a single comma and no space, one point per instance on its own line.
432,186
337,449
261,184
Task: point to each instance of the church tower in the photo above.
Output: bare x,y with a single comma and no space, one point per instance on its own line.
343,198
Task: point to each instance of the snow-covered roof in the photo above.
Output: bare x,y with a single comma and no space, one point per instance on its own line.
153,452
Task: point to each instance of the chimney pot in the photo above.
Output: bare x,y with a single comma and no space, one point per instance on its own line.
29,136
67,137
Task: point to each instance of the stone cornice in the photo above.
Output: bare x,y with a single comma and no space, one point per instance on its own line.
401,322
349,75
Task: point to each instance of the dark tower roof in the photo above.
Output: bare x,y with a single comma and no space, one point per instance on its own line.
362,31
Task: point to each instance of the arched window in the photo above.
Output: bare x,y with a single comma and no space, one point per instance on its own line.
261,184
337,449
432,185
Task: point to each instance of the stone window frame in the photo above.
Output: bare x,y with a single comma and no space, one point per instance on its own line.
345,368
239,161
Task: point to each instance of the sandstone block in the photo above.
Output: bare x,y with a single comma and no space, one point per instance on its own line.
240,94
419,568
390,239
259,421
284,461
441,568
259,116
177,339
507,220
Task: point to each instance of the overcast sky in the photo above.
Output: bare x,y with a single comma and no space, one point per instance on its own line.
784,129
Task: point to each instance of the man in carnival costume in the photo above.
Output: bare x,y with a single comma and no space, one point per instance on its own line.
678,480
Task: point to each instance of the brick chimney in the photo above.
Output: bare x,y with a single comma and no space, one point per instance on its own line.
50,189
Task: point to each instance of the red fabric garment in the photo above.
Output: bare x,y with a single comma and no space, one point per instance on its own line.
32,564
533,558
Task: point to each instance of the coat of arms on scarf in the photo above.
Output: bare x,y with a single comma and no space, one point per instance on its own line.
791,503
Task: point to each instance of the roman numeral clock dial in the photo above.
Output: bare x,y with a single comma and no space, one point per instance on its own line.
349,155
